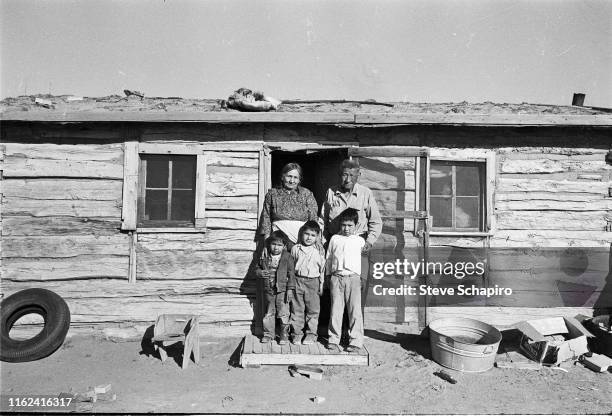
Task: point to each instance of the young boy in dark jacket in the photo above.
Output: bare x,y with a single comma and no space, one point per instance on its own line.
276,267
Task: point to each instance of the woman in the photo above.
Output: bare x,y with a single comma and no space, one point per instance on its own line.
288,206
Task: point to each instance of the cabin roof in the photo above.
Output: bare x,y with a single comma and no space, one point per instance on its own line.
67,108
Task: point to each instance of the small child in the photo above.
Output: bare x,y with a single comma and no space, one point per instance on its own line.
343,264
309,263
276,268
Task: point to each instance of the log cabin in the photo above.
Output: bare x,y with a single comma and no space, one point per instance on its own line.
133,207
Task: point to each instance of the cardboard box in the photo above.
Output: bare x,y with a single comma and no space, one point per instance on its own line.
553,340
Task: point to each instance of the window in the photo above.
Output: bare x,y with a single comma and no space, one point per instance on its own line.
457,196
164,188
167,190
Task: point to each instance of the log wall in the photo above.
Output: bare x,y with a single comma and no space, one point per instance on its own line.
61,217
61,214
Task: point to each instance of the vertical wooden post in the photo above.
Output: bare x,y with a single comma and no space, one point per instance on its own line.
132,264
200,197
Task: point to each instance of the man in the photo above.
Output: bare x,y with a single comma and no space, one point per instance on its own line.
350,194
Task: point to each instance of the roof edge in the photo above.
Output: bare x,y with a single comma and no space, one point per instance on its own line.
596,120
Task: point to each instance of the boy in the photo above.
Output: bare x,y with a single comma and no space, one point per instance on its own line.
309,264
276,268
343,264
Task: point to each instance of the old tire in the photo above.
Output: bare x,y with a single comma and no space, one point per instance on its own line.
43,302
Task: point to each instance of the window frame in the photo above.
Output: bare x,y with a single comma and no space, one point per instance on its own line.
142,193
471,156
133,186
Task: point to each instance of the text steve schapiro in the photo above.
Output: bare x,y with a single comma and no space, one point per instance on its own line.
461,290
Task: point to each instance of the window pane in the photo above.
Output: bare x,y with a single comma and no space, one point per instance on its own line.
440,179
157,172
441,211
156,205
183,172
183,205
466,213
468,180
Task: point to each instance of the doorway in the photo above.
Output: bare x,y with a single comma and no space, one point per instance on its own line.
320,168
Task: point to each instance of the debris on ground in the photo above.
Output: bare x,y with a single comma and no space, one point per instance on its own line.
244,99
515,360
93,394
411,359
312,372
317,399
226,400
596,362
445,376
44,103
129,93
104,388
553,340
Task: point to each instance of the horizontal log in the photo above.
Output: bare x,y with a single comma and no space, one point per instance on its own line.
507,185
191,264
231,159
402,180
572,197
503,317
233,220
559,204
394,200
134,331
246,149
389,151
112,152
552,166
103,288
212,240
551,238
65,246
238,203
231,181
27,226
80,267
532,279
555,153
211,308
60,208
551,220
22,167
60,188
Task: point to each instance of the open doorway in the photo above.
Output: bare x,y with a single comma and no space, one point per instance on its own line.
320,168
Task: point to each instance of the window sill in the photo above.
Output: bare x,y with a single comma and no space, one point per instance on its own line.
460,233
145,230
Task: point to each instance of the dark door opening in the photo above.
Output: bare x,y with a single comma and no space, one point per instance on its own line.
320,172
320,168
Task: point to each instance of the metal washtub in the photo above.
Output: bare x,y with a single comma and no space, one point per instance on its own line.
464,344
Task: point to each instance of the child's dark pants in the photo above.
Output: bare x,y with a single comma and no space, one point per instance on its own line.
275,307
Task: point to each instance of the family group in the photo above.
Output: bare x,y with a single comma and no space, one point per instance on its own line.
308,250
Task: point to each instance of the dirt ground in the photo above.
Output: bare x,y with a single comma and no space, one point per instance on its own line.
399,379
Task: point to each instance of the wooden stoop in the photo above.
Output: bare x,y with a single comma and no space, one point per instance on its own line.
254,354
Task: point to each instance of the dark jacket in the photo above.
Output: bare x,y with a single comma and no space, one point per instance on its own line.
285,273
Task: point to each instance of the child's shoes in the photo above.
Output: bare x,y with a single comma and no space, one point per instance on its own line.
309,339
284,336
351,349
265,339
333,347
296,339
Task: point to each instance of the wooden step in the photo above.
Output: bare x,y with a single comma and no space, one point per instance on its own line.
255,354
